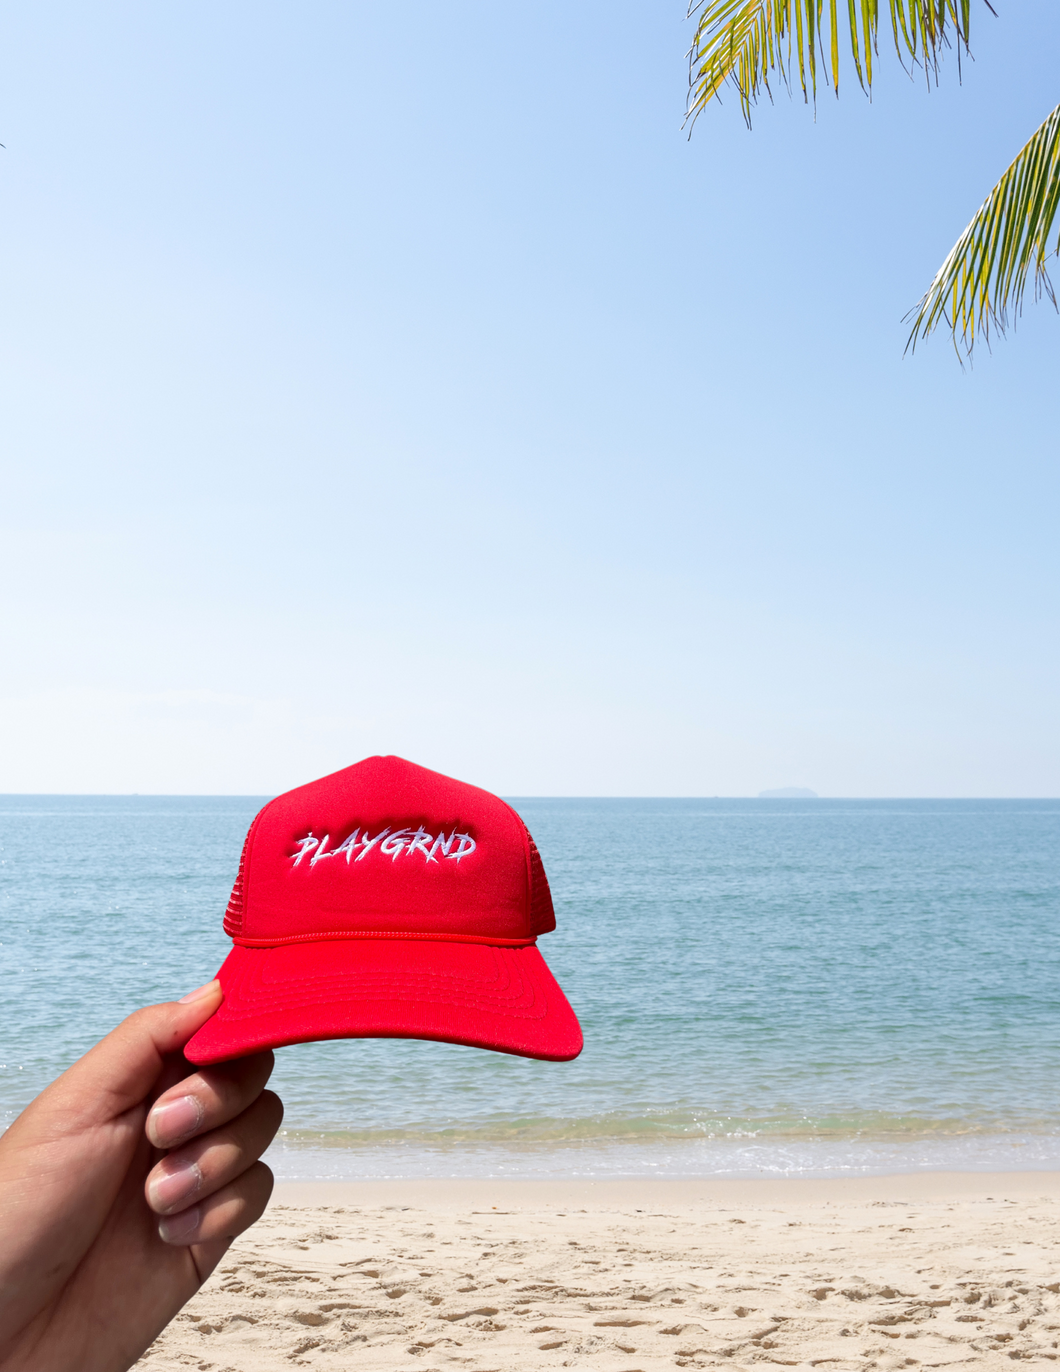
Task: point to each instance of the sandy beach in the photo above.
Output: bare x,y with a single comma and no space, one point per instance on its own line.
929,1270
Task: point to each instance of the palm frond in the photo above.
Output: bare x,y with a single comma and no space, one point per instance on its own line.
744,42
983,280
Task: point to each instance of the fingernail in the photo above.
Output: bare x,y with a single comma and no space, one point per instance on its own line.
179,1228
199,994
172,1183
175,1121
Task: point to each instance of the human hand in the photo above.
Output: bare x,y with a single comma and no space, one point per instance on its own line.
104,1234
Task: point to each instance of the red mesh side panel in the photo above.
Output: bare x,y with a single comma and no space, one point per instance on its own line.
542,915
234,913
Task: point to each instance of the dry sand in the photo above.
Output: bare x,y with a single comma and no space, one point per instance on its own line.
932,1270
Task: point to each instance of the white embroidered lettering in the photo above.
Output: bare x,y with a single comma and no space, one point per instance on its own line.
443,843
346,846
369,843
390,841
394,845
307,845
321,852
467,845
420,840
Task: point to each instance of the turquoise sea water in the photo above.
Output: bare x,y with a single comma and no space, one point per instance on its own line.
765,987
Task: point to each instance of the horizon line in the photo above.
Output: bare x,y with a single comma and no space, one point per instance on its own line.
511,795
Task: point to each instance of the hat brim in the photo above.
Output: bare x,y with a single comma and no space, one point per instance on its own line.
474,994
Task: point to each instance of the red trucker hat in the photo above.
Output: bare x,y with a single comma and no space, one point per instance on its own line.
389,901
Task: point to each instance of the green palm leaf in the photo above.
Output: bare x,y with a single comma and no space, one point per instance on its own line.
983,280
743,42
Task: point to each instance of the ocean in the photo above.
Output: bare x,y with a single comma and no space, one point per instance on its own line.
767,987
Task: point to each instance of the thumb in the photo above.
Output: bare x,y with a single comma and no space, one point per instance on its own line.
121,1069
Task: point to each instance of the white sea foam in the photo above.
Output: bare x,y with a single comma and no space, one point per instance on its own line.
700,1158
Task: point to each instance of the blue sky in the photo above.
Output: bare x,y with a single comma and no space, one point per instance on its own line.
387,380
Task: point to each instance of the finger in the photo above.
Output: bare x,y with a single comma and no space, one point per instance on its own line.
223,1215
209,1163
120,1070
206,1256
63,1161
207,1099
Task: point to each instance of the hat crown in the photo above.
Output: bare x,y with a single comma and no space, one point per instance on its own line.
387,848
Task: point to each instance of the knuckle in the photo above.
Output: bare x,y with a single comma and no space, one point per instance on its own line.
239,1204
248,1134
140,1021
224,1096
274,1106
260,1114
261,1064
261,1182
237,1104
241,1080
218,1082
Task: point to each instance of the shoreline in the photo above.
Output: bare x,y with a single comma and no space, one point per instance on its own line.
691,1160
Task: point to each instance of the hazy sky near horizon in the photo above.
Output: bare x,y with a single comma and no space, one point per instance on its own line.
387,380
